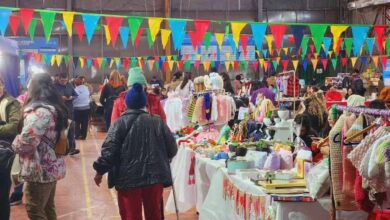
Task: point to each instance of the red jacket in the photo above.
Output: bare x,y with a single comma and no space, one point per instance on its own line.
334,96
153,105
293,88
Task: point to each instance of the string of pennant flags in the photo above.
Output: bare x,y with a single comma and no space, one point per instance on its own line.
168,63
271,40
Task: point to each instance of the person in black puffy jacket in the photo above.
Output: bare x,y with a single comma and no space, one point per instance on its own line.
136,153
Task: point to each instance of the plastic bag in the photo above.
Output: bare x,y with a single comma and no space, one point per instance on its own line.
286,160
257,157
273,162
318,179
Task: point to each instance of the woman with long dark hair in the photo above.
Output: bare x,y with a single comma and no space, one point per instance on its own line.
186,87
227,83
44,117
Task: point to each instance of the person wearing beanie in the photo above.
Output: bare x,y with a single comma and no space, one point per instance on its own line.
153,102
136,155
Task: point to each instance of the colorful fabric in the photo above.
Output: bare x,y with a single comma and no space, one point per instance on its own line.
382,152
293,87
356,101
38,160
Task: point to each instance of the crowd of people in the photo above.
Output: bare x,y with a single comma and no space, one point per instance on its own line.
139,145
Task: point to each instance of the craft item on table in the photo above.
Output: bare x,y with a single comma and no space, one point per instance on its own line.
233,165
242,113
284,175
279,146
273,162
292,198
286,159
318,179
258,158
303,167
285,191
305,155
221,155
224,135
191,108
253,174
278,184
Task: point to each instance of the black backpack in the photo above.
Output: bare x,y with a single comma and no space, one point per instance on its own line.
7,156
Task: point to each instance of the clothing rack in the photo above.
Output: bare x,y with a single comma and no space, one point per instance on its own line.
216,91
369,111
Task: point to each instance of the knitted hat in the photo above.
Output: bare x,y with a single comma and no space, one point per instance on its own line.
136,76
136,97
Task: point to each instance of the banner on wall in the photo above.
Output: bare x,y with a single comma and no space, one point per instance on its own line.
39,44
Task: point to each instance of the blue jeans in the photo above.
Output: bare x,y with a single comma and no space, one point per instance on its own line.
18,190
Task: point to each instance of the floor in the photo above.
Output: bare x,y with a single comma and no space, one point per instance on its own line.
77,196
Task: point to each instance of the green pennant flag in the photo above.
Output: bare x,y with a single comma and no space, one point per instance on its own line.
134,24
44,57
174,57
150,40
317,35
134,63
212,64
156,65
334,63
104,63
348,45
388,46
275,63
47,22
207,40
304,45
227,28
67,59
244,65
187,65
32,28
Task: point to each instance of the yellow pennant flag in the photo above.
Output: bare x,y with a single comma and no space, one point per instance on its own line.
154,26
353,61
107,33
258,53
285,50
206,65
198,56
295,64
68,17
151,64
375,60
117,60
330,53
139,58
236,31
269,39
99,61
227,56
59,59
261,61
337,31
170,64
278,59
169,58
53,60
112,63
227,65
266,67
316,55
165,33
219,37
314,62
82,62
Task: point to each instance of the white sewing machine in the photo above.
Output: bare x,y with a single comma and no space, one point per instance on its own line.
284,127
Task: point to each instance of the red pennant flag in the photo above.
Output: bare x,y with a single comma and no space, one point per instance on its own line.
142,63
194,39
187,57
139,34
278,33
255,65
324,63
80,29
126,62
344,61
244,43
215,56
312,48
95,63
14,24
285,64
384,61
197,64
379,31
267,65
339,45
291,39
236,65
180,65
37,58
26,14
114,23
166,66
201,27
156,58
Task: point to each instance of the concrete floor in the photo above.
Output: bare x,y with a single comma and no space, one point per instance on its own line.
77,196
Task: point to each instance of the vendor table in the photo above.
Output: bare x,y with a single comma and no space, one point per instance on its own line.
207,192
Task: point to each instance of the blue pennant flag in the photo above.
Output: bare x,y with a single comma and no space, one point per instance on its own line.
217,64
108,60
4,20
178,32
363,60
298,32
359,36
89,62
160,63
265,53
163,58
258,31
124,32
327,41
305,63
90,22
232,43
370,44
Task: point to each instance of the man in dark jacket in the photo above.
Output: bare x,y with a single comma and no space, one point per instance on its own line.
137,152
9,119
66,90
357,84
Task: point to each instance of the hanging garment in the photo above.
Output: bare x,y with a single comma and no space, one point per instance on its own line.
173,110
214,108
262,110
293,87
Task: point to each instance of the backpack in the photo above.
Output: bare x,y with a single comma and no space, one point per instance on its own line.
7,156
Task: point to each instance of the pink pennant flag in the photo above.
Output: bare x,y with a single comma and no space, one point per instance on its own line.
197,64
312,48
324,63
278,32
255,65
